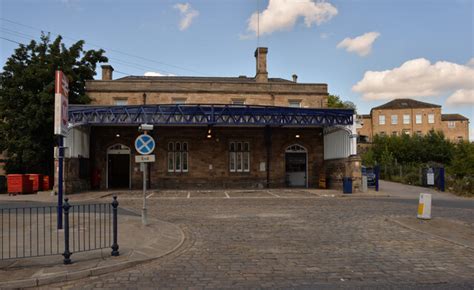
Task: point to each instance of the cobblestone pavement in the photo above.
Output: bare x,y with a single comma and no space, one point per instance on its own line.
297,243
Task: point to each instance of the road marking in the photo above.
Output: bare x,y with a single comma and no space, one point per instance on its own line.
148,196
226,194
189,194
274,194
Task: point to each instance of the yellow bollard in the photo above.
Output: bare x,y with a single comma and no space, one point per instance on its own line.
424,206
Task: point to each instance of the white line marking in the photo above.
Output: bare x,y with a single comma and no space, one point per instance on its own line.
148,196
274,194
189,194
226,194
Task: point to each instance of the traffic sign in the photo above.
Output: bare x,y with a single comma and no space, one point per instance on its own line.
144,144
145,158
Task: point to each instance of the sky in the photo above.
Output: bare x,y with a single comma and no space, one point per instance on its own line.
367,51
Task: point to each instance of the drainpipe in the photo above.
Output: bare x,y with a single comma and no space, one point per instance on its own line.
268,146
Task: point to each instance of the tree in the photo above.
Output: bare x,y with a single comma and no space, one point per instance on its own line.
335,101
27,99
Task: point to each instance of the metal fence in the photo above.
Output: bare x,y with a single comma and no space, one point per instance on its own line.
32,231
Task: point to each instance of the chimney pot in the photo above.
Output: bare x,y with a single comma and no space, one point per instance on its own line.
107,72
261,56
295,78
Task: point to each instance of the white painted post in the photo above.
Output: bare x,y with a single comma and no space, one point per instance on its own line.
424,206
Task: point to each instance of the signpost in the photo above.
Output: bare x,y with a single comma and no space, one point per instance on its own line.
144,144
61,93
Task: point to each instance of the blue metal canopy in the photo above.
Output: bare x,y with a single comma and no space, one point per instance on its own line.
230,115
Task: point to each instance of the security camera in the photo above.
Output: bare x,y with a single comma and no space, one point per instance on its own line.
145,127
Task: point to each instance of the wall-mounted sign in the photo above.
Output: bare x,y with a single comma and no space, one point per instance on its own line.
61,93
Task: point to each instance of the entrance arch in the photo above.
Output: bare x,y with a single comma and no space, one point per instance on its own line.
296,166
118,167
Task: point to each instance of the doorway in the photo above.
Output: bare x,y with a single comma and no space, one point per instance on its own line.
118,166
296,167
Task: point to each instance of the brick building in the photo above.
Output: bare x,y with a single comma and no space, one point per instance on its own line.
407,116
211,132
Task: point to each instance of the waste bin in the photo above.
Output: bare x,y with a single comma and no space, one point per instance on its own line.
347,185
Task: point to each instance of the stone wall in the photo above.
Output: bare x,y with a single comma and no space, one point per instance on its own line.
209,158
337,169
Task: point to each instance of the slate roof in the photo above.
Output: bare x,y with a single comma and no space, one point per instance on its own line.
241,79
453,117
406,104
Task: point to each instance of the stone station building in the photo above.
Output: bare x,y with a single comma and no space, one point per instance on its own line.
211,132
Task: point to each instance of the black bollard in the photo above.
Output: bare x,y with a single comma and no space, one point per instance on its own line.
67,254
115,245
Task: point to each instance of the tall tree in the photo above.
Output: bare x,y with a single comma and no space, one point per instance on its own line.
335,101
27,98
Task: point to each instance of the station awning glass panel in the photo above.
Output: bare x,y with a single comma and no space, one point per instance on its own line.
226,115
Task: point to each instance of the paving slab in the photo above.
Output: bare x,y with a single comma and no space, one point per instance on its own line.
137,243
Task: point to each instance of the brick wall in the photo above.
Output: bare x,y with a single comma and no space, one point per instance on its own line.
205,152
460,129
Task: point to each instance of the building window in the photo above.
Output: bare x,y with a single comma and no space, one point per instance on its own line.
120,102
460,138
394,119
406,132
294,103
419,133
179,101
382,134
239,156
406,119
381,119
431,118
418,118
238,102
178,156
452,124
394,133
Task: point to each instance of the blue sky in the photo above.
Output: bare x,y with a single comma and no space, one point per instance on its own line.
422,49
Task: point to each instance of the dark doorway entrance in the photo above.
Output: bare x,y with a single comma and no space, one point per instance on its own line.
119,171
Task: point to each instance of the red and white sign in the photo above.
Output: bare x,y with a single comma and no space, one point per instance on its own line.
61,93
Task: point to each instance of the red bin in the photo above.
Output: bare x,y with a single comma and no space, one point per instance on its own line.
46,182
37,180
19,183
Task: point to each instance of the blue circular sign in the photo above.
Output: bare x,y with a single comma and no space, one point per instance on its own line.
144,144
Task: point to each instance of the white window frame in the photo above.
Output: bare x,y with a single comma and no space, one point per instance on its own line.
177,150
294,103
394,119
381,119
451,124
239,156
120,102
431,118
419,119
406,119
179,101
238,102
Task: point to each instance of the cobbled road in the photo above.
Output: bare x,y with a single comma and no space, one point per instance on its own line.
319,242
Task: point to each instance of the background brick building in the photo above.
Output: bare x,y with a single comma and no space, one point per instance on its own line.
407,116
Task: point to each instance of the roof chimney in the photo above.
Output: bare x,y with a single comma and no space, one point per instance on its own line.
261,56
107,72
295,78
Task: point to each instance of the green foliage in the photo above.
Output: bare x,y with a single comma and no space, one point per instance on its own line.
27,98
462,164
335,101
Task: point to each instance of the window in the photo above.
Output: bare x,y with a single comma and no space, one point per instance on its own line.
240,102
460,138
406,132
394,133
381,119
382,133
394,119
418,118
452,124
419,133
406,119
431,118
178,156
120,102
179,101
239,157
294,103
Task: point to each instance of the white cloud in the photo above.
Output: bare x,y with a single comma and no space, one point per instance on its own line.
283,14
362,45
324,35
157,74
461,97
415,78
470,62
187,14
